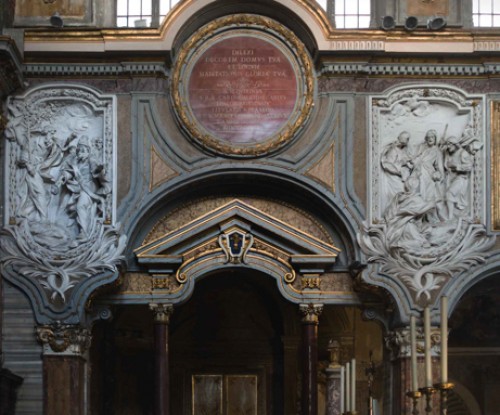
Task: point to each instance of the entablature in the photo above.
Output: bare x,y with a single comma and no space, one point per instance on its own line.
234,236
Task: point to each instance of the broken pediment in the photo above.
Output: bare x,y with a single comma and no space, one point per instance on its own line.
237,234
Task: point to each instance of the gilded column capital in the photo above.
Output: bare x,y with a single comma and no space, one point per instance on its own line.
310,312
64,339
162,312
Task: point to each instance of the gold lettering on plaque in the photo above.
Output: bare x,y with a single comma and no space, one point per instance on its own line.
246,91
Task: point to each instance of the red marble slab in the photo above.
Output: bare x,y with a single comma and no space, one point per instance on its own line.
242,89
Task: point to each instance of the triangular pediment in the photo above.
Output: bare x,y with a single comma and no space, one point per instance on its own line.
300,248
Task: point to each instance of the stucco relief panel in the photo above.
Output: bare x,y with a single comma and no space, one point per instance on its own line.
60,188
427,206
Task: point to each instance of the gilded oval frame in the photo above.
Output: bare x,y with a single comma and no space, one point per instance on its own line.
244,23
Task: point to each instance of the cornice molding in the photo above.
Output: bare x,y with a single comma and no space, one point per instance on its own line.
144,69
410,69
71,40
154,69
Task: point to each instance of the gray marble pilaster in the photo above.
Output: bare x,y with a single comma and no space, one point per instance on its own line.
333,390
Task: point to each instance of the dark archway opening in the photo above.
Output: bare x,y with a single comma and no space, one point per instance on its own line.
229,335
233,328
474,344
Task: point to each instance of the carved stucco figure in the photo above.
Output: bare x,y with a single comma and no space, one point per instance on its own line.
459,163
59,230
395,162
426,214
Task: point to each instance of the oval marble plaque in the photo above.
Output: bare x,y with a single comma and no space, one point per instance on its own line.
241,91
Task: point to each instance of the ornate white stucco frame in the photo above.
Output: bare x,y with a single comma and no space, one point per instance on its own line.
60,240
426,195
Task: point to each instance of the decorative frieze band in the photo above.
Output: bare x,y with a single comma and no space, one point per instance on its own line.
382,45
116,69
358,45
487,46
156,69
409,69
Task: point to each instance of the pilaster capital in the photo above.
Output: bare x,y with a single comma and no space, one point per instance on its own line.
399,343
162,312
310,313
64,339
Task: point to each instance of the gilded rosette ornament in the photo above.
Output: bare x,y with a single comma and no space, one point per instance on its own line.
428,184
60,239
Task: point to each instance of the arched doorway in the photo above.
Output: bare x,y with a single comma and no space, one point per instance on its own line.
474,349
226,343
223,256
234,347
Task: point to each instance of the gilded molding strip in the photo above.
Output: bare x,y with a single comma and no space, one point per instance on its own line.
319,14
495,164
224,202
248,210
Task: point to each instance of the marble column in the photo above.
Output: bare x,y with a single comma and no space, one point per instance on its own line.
333,390
64,366
291,346
334,385
162,313
310,319
399,345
